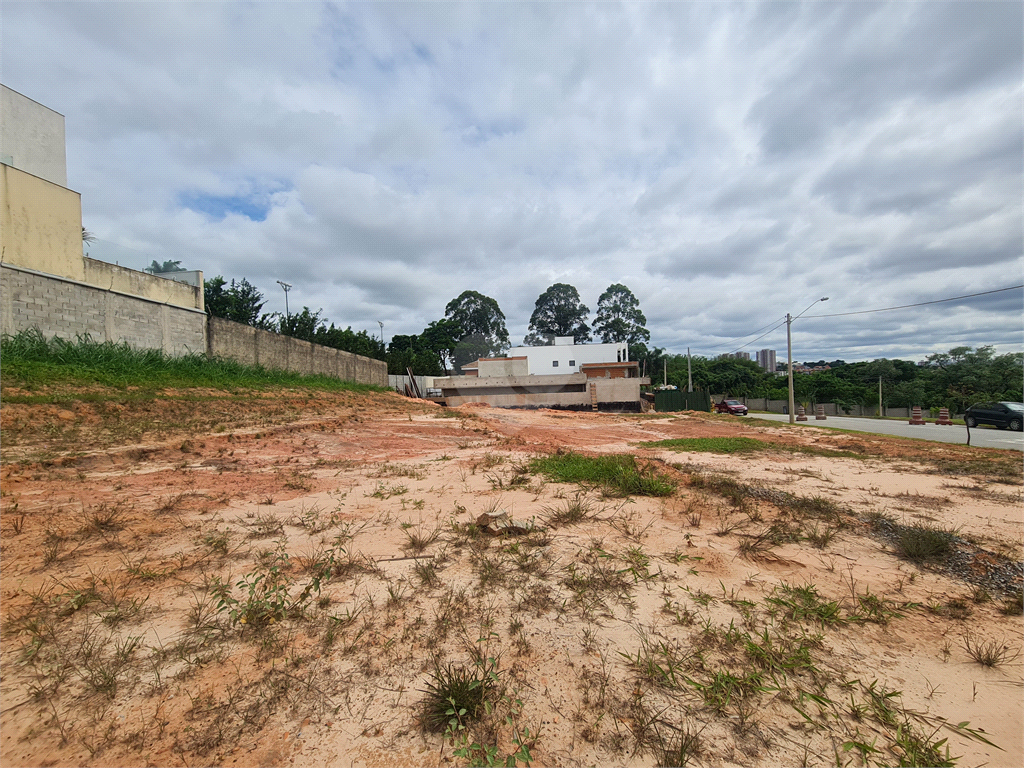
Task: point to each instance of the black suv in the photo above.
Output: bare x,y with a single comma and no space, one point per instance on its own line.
1000,415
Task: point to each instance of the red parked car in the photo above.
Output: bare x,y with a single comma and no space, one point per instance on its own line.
735,407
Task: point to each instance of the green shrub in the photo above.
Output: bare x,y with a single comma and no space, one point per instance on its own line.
620,474
920,543
455,694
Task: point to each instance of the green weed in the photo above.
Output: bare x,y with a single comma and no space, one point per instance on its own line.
923,543
617,474
805,604
30,358
456,693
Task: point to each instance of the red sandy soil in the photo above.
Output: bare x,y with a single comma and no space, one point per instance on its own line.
650,624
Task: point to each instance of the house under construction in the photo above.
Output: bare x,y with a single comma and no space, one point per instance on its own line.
565,375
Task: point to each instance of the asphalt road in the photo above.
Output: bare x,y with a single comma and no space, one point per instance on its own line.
983,437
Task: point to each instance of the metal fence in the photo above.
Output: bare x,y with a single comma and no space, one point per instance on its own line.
398,383
668,400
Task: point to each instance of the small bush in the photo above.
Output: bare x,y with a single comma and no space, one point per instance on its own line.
457,693
921,543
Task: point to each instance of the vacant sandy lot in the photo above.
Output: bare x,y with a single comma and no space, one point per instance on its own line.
279,582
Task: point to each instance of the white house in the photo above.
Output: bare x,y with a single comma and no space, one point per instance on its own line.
563,357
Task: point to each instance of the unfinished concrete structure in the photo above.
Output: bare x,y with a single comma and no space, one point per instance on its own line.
597,377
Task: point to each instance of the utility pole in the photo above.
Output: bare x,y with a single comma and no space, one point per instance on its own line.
789,366
381,332
789,348
879,397
665,374
689,372
287,287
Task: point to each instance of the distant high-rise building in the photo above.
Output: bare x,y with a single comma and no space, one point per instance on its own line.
766,359
735,356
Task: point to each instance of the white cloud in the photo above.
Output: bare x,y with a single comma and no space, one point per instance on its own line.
728,163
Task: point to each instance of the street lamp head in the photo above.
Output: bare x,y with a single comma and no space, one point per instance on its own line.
823,298
284,285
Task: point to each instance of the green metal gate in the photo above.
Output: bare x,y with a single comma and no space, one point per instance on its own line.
667,400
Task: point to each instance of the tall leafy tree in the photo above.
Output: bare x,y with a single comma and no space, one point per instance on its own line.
480,324
964,376
358,343
303,325
619,318
239,301
415,352
559,311
441,338
650,360
215,297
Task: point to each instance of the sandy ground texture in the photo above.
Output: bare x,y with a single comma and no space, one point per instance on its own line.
284,580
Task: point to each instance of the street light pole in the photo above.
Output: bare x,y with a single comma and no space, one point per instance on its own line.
381,332
789,348
287,287
789,366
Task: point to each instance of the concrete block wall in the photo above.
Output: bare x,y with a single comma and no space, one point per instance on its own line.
347,366
272,350
69,308
252,346
232,341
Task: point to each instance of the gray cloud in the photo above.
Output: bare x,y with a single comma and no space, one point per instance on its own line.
729,163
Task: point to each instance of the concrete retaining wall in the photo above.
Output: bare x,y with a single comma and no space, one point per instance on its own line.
136,283
252,346
558,391
69,308
617,390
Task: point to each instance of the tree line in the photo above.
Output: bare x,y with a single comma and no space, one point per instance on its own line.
474,326
954,379
242,302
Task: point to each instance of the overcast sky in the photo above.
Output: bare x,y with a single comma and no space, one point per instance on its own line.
729,162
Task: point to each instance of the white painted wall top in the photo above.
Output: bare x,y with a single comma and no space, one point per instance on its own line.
567,358
32,137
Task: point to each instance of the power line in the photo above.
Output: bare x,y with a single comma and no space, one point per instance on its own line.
919,304
737,338
861,312
774,328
